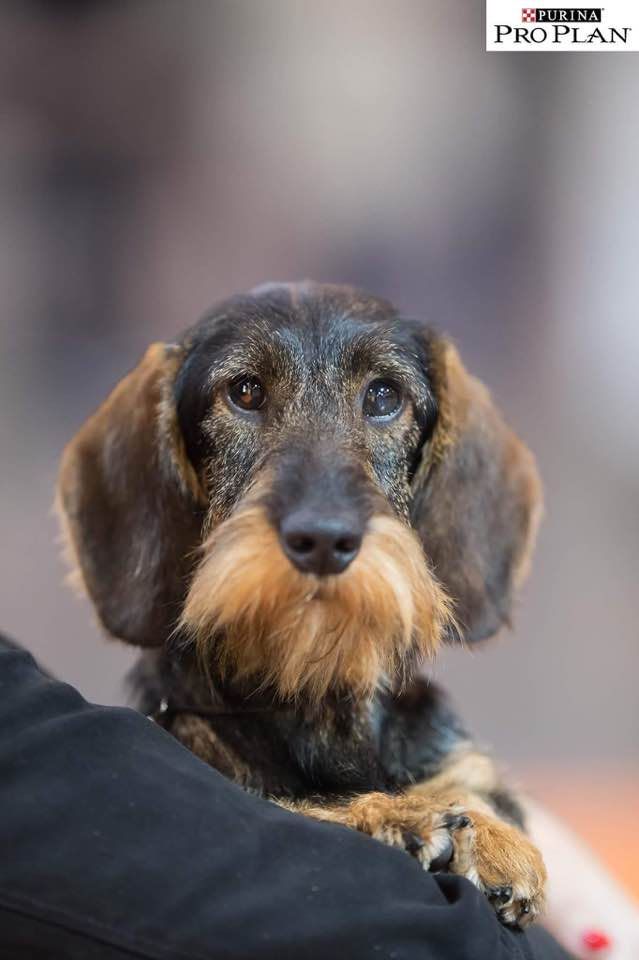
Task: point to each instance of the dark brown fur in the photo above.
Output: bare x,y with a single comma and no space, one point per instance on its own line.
298,686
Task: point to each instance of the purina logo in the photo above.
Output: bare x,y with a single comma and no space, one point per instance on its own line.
561,15
612,28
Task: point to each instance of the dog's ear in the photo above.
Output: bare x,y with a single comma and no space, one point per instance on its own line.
130,503
476,500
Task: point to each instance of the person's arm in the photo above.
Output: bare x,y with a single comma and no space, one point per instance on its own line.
582,894
117,842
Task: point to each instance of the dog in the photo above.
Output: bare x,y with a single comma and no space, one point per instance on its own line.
291,508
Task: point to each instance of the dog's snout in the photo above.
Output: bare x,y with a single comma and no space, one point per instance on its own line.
320,545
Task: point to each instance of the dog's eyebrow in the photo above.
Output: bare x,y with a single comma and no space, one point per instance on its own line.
381,353
349,346
388,361
247,356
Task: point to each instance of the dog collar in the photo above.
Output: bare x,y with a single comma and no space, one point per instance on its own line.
167,709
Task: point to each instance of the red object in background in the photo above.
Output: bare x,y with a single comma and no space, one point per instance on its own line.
596,940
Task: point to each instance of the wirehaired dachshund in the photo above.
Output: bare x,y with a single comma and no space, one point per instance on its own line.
291,508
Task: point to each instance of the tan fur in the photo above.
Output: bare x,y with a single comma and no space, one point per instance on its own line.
372,813
504,856
488,851
464,766
260,618
500,854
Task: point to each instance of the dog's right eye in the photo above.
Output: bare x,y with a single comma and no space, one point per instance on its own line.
247,393
381,400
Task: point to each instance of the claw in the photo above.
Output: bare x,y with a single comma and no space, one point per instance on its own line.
442,860
500,895
456,821
412,842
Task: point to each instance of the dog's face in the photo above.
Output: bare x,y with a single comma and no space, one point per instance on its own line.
326,391
309,486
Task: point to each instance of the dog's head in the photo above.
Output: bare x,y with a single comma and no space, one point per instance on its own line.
307,485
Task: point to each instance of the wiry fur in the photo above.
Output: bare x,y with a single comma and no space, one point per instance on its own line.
302,687
258,618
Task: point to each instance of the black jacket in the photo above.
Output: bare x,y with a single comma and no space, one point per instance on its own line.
117,842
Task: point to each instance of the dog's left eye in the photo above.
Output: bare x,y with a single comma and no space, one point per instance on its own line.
247,393
381,399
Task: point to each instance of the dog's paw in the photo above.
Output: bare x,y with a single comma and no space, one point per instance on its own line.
504,864
425,830
429,842
442,834
494,855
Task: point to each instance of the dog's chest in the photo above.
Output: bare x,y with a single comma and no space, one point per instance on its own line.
341,749
285,754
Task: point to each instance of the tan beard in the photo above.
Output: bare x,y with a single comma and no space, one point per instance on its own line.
256,618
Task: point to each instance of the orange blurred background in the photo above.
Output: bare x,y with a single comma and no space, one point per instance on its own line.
160,154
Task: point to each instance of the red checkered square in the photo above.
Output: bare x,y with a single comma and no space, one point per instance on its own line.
528,15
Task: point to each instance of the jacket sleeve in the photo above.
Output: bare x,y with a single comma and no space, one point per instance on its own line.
117,842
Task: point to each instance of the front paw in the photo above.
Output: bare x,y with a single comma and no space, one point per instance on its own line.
471,842
443,835
504,864
426,831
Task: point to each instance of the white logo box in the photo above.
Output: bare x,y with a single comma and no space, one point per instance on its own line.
571,27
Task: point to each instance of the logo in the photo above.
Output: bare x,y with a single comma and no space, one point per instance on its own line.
611,29
561,15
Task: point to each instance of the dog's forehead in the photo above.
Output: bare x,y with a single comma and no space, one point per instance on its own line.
306,327
322,304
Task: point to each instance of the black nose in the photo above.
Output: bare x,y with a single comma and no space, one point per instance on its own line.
320,545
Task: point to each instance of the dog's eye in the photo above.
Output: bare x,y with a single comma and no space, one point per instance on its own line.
381,399
247,393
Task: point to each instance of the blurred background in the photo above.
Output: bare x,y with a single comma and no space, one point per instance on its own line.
156,156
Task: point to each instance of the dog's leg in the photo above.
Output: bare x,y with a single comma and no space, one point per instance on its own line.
408,821
493,852
424,741
447,826
198,736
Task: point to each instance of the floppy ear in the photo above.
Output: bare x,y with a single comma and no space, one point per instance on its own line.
130,503
476,500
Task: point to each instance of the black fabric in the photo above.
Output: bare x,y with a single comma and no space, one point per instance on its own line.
116,842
